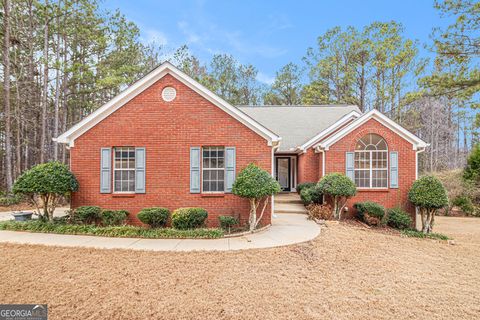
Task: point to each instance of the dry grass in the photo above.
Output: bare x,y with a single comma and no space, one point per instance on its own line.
348,272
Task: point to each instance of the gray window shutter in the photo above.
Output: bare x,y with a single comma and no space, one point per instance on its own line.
140,159
349,164
229,168
105,170
195,170
393,169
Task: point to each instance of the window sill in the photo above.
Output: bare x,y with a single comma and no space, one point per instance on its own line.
123,195
373,190
213,195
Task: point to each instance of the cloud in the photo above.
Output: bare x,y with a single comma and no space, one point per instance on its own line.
154,36
264,78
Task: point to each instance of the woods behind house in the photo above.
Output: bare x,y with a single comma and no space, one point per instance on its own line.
63,59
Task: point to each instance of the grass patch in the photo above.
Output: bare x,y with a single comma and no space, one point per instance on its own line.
111,231
420,234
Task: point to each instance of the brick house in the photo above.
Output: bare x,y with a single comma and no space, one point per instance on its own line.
168,141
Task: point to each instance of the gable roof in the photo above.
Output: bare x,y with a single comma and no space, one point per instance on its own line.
132,91
297,125
416,142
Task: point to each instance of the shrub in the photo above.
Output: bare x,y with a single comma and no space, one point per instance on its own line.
429,195
420,234
457,186
319,211
370,212
110,231
114,217
257,185
87,214
464,203
189,218
472,170
311,195
10,199
227,222
305,185
154,217
339,187
398,218
48,181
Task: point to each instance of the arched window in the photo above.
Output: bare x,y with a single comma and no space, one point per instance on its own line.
371,165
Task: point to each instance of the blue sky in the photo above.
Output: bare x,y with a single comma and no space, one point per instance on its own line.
267,34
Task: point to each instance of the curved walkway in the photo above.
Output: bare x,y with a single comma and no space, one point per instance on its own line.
286,229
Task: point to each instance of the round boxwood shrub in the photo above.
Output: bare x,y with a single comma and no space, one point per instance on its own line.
339,187
87,214
155,217
189,218
311,195
398,218
227,222
114,217
305,185
370,212
429,195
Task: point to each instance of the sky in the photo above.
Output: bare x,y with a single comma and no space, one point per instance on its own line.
267,34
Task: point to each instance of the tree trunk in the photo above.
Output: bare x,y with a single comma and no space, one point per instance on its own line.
43,135
57,93
253,214
6,94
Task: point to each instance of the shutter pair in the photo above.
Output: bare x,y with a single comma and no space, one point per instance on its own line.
350,167
195,156
106,170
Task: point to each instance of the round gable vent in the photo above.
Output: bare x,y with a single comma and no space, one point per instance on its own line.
168,94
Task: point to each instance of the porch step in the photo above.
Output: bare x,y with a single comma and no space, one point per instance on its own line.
289,208
290,197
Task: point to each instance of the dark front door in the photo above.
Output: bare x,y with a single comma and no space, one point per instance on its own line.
282,173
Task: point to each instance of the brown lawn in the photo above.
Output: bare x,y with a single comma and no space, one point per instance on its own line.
346,273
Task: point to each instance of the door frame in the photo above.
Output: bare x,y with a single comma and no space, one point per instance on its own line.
289,189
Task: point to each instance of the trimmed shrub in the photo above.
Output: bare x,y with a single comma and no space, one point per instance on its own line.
311,195
370,212
305,185
256,185
464,203
398,218
319,211
48,181
227,222
429,195
114,217
339,187
10,199
189,218
155,217
87,214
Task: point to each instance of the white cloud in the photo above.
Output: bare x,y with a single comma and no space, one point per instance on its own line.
264,78
154,36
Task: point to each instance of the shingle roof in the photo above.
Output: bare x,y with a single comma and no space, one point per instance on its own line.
297,124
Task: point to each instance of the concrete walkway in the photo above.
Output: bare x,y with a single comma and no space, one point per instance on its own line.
286,229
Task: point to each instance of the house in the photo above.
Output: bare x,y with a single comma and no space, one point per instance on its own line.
168,141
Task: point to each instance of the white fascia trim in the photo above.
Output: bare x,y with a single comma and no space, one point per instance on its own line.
330,129
142,84
377,115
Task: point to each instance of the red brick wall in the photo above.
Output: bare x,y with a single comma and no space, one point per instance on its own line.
308,168
167,130
389,198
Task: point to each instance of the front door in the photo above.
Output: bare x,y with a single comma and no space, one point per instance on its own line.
283,172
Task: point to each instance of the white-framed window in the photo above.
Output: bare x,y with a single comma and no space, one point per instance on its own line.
371,162
213,169
124,169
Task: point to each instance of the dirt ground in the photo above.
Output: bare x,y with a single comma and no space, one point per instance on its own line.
346,273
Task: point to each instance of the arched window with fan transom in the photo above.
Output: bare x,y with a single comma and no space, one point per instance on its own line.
371,162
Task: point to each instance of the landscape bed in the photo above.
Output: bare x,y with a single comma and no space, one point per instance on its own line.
112,231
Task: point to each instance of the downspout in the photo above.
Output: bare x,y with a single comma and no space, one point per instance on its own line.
274,148
418,222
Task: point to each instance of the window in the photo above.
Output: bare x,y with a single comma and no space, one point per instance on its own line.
371,165
213,170
124,169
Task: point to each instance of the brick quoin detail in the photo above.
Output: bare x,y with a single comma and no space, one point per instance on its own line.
167,130
389,198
